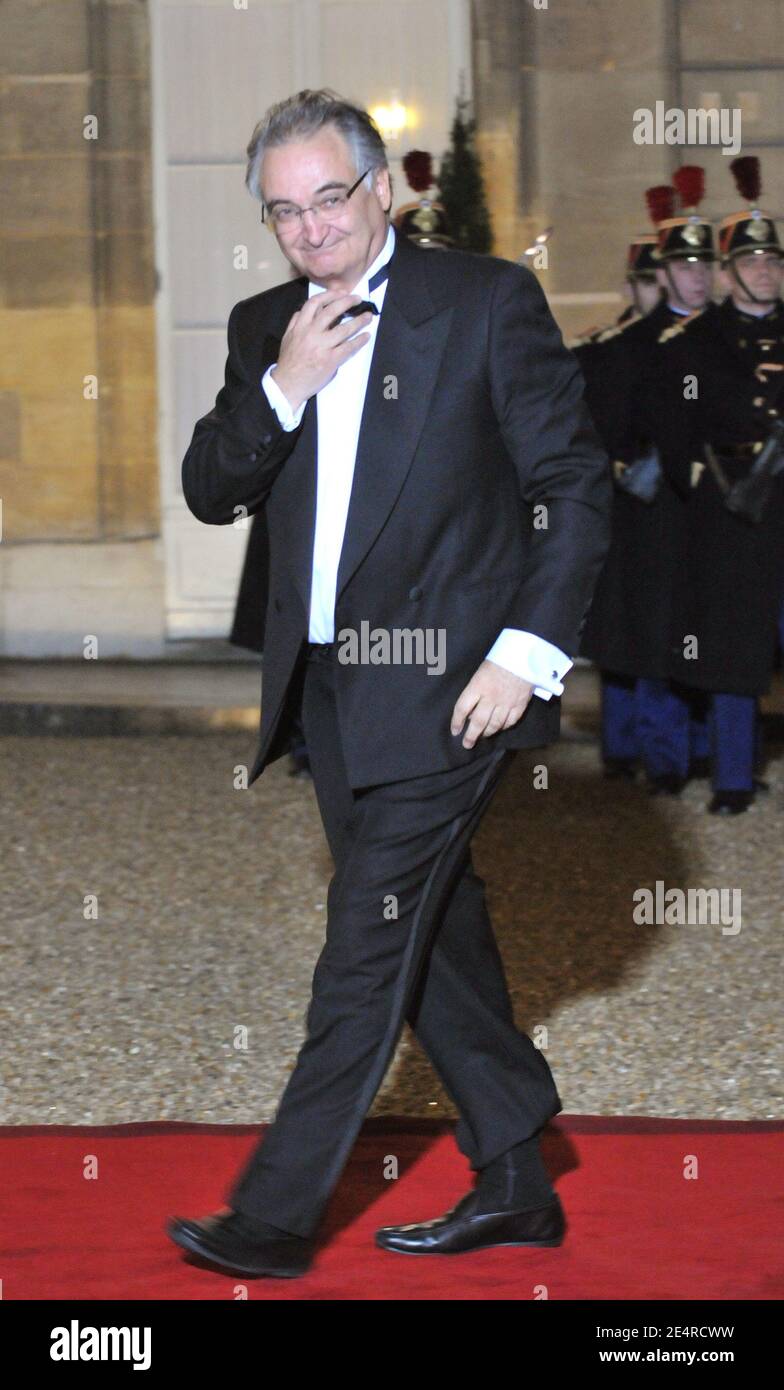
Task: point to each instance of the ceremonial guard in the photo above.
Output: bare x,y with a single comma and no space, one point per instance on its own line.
642,289
591,347
423,221
719,395
645,718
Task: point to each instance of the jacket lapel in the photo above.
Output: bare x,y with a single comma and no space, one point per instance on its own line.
300,468
409,346
407,353
300,471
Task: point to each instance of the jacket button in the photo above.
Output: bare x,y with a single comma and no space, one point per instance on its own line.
416,592
266,439
253,458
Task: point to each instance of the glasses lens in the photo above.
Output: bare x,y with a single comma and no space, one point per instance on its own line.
287,216
330,207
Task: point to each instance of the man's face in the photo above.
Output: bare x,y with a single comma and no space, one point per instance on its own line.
333,254
762,273
689,283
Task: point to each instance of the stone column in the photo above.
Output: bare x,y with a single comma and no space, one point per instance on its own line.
78,298
78,401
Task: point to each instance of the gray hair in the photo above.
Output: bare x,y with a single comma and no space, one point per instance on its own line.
300,116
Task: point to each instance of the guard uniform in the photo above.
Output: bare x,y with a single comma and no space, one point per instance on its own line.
627,633
717,393
594,352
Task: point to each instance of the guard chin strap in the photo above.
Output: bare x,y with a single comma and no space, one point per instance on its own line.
738,278
674,295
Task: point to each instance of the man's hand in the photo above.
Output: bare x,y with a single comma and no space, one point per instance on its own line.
494,699
311,351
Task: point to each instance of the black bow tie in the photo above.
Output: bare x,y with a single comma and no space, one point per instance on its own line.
365,305
354,311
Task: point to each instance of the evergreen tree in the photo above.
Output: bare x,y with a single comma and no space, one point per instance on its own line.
461,189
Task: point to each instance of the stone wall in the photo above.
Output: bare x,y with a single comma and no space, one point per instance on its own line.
78,404
557,83
555,89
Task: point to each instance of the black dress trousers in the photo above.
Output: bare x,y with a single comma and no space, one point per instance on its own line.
408,938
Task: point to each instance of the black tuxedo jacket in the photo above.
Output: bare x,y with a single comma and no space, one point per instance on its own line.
250,608
480,500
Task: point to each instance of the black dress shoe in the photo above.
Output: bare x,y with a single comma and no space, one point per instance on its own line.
231,1241
730,803
666,784
467,1227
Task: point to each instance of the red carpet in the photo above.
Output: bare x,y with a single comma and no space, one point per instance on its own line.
637,1228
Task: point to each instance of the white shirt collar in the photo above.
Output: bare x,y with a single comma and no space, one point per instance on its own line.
361,287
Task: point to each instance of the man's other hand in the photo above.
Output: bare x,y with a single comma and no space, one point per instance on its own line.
494,699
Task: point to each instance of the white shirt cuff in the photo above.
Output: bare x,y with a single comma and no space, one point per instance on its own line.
288,418
532,659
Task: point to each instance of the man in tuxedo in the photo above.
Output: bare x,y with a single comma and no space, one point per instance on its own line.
438,510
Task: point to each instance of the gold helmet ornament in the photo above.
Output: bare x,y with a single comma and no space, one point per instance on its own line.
751,229
688,237
424,221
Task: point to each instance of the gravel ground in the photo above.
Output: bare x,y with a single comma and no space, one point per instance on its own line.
185,998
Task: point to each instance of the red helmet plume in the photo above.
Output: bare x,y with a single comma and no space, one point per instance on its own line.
690,183
418,169
747,176
661,202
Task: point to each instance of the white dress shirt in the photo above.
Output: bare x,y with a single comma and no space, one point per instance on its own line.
339,407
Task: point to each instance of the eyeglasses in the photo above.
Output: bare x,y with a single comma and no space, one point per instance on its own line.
287,217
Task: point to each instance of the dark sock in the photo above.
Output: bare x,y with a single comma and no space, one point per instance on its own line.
254,1228
517,1179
